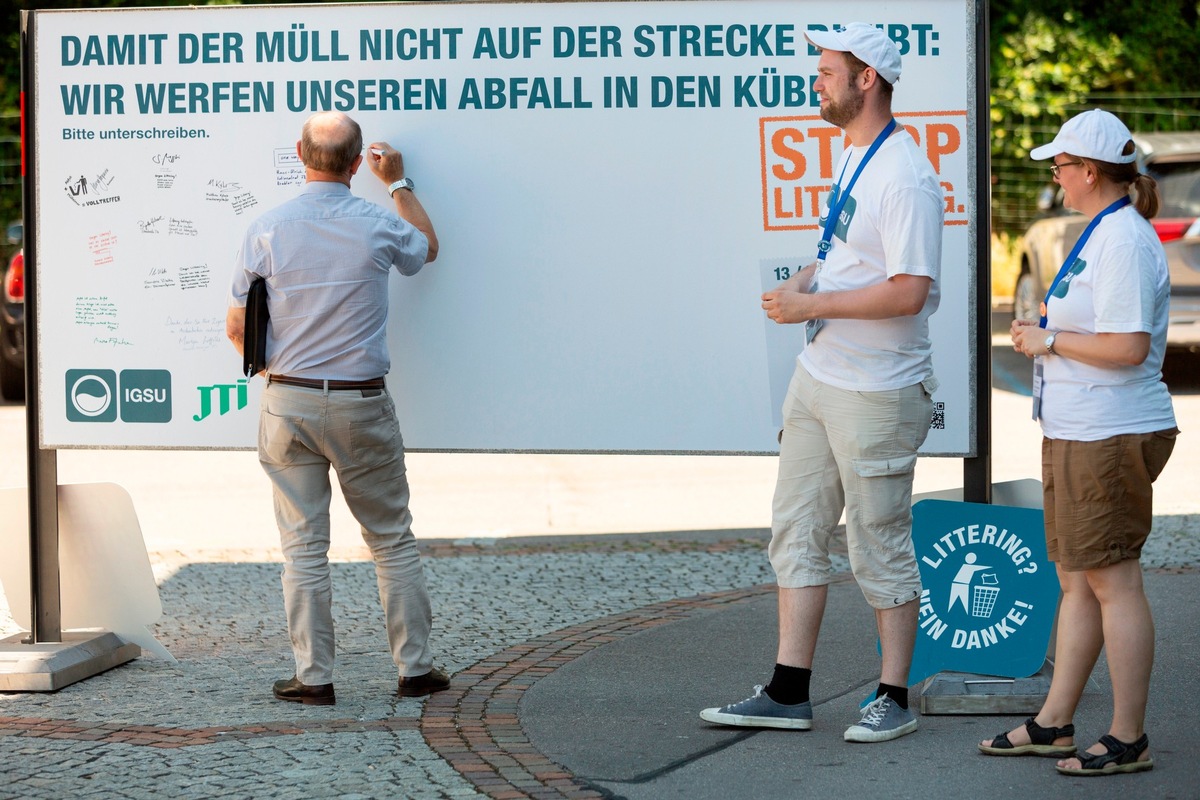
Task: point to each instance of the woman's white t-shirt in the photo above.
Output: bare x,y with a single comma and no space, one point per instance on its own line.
1118,284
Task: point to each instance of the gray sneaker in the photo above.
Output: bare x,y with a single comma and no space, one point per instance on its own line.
760,711
882,721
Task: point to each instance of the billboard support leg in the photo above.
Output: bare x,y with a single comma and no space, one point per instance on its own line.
47,660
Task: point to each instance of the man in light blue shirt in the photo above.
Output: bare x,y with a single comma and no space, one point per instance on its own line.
326,257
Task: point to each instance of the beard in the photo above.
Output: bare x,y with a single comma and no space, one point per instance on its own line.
843,113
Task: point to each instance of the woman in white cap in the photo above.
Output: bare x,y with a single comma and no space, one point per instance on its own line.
1108,429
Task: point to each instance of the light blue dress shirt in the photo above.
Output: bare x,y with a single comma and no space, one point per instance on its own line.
326,256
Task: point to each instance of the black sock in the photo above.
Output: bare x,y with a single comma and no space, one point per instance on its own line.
789,685
897,693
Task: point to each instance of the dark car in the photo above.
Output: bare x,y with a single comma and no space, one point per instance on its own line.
12,321
1173,160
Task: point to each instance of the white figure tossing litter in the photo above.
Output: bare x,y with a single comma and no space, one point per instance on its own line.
961,584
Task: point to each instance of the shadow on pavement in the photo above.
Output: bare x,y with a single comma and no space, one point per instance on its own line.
624,718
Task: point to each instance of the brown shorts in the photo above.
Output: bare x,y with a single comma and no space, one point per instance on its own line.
1097,497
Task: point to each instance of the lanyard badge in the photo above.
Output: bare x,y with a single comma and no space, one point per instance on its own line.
834,213
1075,251
1038,365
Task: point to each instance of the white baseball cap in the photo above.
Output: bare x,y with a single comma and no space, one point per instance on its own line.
1094,134
867,43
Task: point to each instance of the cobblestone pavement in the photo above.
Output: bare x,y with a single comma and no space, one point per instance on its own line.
208,726
506,614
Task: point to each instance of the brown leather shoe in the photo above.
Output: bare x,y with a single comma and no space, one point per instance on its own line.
419,685
294,691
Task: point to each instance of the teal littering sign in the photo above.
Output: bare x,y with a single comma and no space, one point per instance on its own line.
989,594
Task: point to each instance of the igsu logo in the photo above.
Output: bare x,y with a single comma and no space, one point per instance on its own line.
91,395
138,395
146,395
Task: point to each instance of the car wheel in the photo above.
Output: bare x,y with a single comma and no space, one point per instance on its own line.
12,382
1025,299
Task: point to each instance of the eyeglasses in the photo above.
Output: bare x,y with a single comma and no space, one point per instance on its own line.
1054,168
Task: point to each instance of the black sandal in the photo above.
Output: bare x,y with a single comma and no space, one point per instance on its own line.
1120,757
1041,742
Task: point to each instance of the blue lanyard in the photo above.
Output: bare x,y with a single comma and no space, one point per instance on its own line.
835,210
1066,267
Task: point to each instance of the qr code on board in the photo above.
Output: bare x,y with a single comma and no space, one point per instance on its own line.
938,421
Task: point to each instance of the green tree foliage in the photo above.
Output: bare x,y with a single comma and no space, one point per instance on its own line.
1051,59
1045,67
1049,56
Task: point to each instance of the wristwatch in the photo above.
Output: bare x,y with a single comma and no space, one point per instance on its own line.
403,183
1050,343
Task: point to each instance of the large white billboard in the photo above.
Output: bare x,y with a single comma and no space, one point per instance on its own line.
613,184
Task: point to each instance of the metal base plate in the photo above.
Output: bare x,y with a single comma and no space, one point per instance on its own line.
963,693
49,666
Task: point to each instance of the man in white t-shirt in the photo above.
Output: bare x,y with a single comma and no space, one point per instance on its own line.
859,405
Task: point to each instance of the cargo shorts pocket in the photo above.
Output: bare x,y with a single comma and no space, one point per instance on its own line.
1158,451
884,489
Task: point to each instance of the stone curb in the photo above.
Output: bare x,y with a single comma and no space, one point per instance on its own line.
473,726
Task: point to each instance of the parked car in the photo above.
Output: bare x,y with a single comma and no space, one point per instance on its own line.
12,321
1172,159
13,236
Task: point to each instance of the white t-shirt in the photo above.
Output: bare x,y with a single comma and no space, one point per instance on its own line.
892,226
1119,284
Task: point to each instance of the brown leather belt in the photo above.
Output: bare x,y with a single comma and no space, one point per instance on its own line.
312,383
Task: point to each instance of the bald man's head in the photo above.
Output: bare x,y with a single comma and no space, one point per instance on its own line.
330,142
